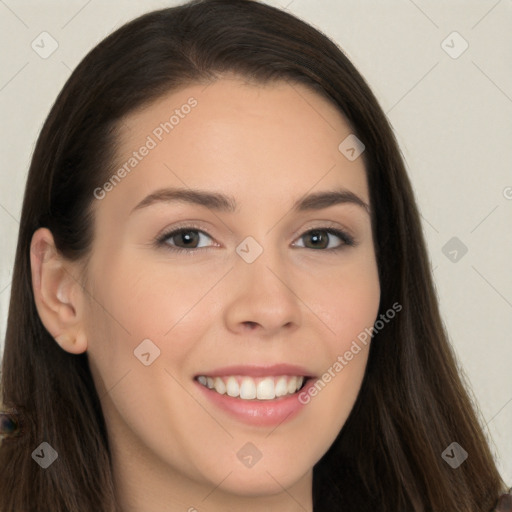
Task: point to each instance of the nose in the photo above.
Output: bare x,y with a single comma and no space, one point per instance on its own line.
261,298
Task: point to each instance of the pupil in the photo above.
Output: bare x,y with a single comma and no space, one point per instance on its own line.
188,236
316,237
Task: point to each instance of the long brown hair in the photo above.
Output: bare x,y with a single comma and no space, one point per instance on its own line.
413,402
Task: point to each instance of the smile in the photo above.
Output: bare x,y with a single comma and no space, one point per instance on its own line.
264,395
249,388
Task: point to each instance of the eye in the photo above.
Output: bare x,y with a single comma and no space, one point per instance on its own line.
189,238
183,239
321,238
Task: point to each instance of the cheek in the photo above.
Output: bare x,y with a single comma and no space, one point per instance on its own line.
348,307
147,298
348,300
131,300
350,317
138,309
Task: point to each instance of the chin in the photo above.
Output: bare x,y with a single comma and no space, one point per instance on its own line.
250,482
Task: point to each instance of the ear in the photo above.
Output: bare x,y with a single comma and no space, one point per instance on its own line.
58,295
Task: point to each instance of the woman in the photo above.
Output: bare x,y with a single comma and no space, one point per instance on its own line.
296,359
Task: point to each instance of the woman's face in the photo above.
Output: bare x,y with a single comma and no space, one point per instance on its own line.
254,292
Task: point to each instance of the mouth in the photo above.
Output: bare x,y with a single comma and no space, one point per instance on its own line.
260,396
245,387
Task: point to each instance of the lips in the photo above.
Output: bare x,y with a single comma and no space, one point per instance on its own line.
274,370
256,395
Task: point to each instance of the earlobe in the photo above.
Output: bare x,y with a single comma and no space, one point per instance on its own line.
74,345
57,293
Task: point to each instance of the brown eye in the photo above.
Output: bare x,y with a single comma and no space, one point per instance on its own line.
183,239
189,239
320,238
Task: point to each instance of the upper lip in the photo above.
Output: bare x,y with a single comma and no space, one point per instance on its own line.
273,370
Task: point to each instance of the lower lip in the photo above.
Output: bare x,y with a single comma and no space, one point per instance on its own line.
260,413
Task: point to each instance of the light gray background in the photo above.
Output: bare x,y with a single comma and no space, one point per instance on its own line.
452,117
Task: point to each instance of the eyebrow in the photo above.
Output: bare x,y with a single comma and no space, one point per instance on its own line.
223,203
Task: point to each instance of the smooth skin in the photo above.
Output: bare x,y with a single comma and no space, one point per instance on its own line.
299,302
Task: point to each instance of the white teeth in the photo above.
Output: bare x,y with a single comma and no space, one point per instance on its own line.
265,389
292,384
219,385
281,387
248,388
232,388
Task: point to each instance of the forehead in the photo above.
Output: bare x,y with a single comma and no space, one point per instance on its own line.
260,141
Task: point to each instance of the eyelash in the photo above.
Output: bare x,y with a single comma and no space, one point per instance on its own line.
161,241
